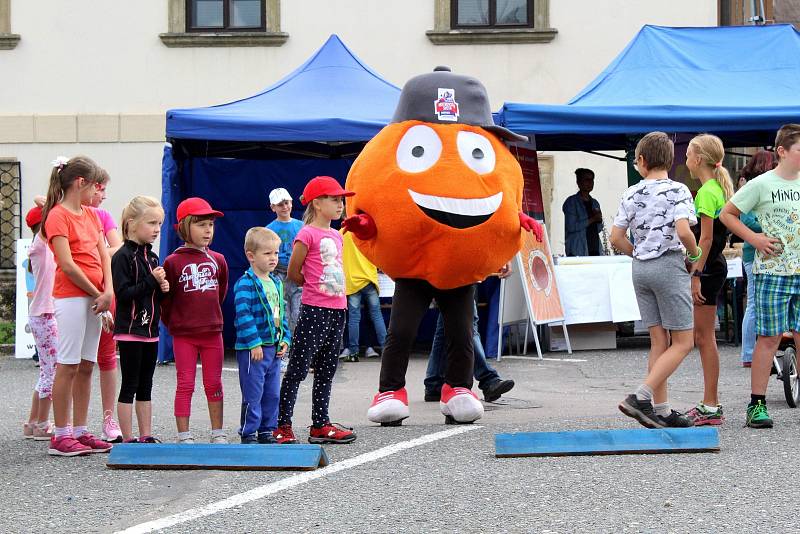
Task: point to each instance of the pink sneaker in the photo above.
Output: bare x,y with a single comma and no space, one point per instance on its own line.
27,430
460,405
94,444
111,432
43,435
67,446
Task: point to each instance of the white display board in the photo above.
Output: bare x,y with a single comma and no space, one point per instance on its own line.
24,345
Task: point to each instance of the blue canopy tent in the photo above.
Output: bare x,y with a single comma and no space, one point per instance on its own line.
740,83
313,122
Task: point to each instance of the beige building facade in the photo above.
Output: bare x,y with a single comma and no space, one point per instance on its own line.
97,77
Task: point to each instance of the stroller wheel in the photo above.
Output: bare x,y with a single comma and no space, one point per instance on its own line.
791,381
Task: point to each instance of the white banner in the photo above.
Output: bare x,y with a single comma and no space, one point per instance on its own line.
24,344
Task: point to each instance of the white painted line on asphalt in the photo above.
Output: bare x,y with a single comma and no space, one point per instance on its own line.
290,482
534,358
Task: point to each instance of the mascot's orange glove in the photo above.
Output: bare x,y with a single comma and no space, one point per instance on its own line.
530,224
362,226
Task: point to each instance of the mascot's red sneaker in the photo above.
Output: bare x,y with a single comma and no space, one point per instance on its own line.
389,408
460,405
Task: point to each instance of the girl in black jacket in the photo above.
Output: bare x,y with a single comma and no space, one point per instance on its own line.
139,283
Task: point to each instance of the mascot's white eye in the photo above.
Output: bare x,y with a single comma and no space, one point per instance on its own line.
476,151
419,149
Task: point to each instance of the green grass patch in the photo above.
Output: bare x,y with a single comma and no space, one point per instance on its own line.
6,333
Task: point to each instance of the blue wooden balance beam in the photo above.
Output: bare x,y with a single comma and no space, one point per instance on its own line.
209,456
591,442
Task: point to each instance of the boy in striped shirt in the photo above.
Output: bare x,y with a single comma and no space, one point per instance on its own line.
262,336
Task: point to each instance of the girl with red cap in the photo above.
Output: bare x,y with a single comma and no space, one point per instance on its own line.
316,264
192,312
42,321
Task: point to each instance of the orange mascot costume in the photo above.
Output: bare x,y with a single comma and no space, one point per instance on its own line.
437,208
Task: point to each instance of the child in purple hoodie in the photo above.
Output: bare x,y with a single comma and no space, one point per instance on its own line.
192,312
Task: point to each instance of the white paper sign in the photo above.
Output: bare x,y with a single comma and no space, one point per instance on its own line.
24,345
735,268
385,286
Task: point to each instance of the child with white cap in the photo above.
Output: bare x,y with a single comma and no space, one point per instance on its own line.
280,202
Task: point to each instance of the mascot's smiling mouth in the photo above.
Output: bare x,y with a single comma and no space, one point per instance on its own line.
458,213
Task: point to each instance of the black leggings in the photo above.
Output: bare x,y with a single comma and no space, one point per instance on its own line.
411,300
316,342
137,361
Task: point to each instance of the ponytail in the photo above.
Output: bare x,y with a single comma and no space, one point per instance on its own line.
62,177
723,178
308,215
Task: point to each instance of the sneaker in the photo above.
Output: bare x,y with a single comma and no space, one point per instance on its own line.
702,416
131,440
642,411
27,430
676,420
219,439
111,432
757,416
266,438
188,440
371,353
284,435
96,445
460,405
345,354
148,439
496,389
389,408
67,446
331,433
249,440
43,435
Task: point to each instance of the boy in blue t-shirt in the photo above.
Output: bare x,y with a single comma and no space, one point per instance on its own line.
280,201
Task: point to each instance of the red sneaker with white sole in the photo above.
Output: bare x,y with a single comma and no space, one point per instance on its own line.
331,433
284,435
389,408
96,445
460,405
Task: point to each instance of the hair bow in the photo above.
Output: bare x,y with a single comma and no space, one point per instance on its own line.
60,162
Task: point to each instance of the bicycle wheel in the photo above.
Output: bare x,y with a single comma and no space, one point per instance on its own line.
791,382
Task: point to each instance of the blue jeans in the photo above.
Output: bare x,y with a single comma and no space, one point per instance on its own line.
749,320
434,376
370,293
260,383
291,295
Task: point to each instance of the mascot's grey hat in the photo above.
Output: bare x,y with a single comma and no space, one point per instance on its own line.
441,97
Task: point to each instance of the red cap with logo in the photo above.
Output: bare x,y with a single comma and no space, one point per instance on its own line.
196,206
33,217
321,186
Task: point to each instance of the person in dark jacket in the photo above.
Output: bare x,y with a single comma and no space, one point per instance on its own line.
192,312
139,284
262,336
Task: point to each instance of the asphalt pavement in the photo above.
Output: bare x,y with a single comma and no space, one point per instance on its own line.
416,479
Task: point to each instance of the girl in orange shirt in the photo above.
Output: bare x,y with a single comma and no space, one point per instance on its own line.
82,291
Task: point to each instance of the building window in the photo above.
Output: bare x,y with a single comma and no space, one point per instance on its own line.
204,23
491,14
8,40
491,22
225,15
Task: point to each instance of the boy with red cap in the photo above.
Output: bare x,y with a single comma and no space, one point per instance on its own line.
192,312
316,264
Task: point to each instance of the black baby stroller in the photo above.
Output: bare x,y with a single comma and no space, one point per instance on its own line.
784,365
